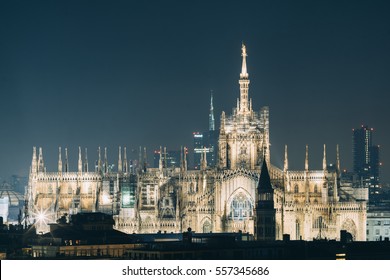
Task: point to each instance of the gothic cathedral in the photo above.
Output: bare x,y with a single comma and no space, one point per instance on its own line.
243,192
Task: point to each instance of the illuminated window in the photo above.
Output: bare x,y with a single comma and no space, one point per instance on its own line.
319,223
148,194
240,208
206,226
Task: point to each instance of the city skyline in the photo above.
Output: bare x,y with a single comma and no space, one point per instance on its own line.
137,75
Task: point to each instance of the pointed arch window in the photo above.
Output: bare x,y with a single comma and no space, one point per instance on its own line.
296,189
206,226
241,208
319,223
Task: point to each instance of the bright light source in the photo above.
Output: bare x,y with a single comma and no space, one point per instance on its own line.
126,199
41,217
106,199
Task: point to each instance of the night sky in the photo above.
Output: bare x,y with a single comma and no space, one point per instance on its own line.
131,73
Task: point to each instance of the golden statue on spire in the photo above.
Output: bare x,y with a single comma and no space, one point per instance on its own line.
244,73
243,48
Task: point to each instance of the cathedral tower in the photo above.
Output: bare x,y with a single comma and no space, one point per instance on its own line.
265,210
244,136
244,84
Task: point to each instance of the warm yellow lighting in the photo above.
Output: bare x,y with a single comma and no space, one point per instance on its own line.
106,199
341,256
126,199
41,217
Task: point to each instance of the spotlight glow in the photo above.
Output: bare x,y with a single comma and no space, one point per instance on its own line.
40,216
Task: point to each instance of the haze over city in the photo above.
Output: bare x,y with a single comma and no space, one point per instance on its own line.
77,73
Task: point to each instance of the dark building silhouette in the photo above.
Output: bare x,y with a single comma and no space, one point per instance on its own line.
362,139
265,210
366,160
206,142
211,139
211,145
198,148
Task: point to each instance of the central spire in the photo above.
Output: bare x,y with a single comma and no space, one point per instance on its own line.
244,83
244,73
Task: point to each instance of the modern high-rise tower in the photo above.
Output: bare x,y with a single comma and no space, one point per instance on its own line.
211,114
197,149
362,141
211,139
366,159
206,142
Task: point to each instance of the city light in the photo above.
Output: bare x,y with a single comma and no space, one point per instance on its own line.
106,199
41,216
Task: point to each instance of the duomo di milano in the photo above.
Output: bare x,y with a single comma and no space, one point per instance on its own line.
243,192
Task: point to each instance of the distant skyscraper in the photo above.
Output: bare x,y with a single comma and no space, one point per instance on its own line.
211,146
211,115
362,141
366,159
198,148
211,138
156,158
206,142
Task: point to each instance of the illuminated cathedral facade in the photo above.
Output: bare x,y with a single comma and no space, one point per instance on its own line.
244,192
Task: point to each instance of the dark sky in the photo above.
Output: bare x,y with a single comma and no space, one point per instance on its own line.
131,73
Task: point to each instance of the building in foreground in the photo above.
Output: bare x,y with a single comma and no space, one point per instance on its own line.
378,223
305,204
92,237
